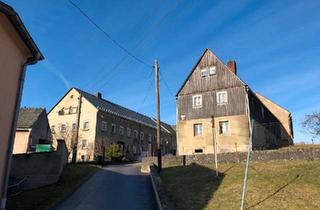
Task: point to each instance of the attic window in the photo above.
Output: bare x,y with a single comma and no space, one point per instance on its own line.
203,72
212,70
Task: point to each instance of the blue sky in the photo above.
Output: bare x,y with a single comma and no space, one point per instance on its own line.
276,45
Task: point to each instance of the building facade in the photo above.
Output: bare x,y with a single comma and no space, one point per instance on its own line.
32,129
17,51
214,104
88,123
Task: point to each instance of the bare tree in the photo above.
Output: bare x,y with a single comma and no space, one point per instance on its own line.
312,124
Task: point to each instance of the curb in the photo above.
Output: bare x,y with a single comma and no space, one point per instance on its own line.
156,193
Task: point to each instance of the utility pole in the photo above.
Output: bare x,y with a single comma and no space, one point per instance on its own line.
215,147
156,69
76,139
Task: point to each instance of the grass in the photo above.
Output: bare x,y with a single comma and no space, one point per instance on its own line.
271,185
46,197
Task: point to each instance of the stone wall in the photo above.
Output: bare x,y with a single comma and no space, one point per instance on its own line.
41,168
308,153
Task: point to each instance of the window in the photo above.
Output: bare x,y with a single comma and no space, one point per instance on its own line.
262,112
53,127
128,132
135,134
149,138
212,70
141,136
103,125
121,131
63,128
197,129
203,72
113,128
84,144
198,151
74,126
72,110
224,127
86,126
197,101
222,97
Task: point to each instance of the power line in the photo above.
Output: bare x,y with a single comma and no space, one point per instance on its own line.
109,36
166,84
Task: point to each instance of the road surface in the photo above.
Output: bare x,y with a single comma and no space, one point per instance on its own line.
115,187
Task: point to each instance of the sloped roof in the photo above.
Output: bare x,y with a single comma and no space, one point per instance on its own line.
28,116
115,109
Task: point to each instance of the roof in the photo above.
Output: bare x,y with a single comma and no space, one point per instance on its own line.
22,31
115,109
28,116
197,63
260,96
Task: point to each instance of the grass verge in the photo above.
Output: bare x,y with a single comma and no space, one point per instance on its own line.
271,185
46,197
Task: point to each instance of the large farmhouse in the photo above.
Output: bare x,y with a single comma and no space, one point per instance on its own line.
214,104
88,123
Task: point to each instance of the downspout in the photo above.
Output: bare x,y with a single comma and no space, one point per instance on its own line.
6,172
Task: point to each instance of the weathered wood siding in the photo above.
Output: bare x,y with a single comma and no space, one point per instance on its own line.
208,86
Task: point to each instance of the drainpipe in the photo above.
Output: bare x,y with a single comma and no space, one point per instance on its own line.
6,171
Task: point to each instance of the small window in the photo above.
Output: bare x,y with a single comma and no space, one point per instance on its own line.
203,72
128,132
197,101
86,126
74,127
103,125
224,127
262,112
63,128
197,129
198,151
121,130
141,136
53,127
149,138
72,110
113,128
135,133
212,70
222,97
84,144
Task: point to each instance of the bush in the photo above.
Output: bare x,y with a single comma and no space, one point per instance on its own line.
113,153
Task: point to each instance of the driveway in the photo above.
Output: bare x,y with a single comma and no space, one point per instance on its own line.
115,187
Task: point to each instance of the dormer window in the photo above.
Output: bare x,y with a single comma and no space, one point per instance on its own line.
212,70
203,72
197,101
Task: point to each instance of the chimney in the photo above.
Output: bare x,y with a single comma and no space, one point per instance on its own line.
99,95
232,66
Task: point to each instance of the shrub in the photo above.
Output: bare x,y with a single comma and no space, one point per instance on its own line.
113,153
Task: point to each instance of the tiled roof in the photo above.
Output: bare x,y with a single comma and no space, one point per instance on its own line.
115,109
28,116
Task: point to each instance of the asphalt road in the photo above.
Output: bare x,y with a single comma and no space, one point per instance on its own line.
115,187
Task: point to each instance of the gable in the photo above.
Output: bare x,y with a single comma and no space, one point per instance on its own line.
224,77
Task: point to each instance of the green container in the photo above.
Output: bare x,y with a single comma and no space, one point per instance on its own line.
43,148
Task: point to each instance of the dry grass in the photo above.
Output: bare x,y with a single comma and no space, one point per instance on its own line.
271,185
46,197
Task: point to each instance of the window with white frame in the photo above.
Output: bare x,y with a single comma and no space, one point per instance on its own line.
204,72
224,127
86,125
222,97
212,70
197,129
103,125
113,128
128,132
135,134
84,144
63,128
197,101
121,130
141,136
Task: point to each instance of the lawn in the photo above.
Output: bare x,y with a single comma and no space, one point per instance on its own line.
45,197
271,185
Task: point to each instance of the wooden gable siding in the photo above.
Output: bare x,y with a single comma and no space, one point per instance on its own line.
236,104
223,79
